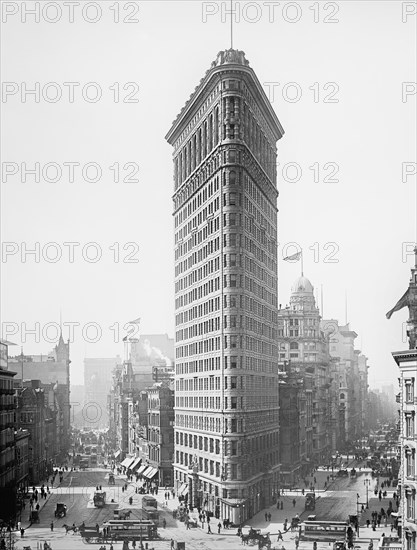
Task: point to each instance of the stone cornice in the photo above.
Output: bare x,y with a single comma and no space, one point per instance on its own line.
206,84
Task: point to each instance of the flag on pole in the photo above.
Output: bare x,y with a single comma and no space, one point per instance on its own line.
135,322
294,257
402,302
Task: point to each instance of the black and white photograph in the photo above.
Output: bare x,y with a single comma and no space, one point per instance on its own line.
208,276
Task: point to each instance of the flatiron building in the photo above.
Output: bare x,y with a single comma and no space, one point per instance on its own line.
226,456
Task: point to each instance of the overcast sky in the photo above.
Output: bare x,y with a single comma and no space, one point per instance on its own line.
338,71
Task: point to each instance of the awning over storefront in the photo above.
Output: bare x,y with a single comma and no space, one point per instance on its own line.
117,454
126,462
135,463
183,490
150,472
235,502
142,469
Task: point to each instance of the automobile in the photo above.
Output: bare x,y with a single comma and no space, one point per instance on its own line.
60,510
339,545
310,502
34,516
342,473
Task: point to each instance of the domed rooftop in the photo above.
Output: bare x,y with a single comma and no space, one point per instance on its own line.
302,286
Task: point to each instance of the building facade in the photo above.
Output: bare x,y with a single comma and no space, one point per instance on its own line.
53,372
306,437
350,374
407,363
34,415
7,437
98,373
225,216
161,432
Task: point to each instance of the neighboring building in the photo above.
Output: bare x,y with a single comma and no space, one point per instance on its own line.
34,415
22,465
380,410
352,382
98,374
407,363
363,368
148,358
7,437
225,216
77,406
305,398
53,371
161,432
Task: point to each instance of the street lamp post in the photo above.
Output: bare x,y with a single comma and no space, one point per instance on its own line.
367,482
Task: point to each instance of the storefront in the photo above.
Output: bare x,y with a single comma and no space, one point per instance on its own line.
235,510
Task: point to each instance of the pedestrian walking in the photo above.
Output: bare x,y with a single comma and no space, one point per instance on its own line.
293,502
208,528
279,536
314,545
282,505
219,526
52,525
266,516
22,532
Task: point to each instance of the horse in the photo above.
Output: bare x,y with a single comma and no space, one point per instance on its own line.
244,539
69,528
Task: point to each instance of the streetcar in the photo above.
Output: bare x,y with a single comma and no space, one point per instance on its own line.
147,501
328,531
150,513
129,529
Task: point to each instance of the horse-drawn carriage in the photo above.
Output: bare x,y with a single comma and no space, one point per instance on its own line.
91,534
255,536
121,514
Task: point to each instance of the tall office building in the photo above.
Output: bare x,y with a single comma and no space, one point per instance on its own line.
226,381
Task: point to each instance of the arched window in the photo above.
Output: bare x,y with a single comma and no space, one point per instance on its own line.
294,345
232,177
342,396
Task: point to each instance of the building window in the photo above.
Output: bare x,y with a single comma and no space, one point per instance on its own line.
410,462
294,345
409,425
411,501
409,390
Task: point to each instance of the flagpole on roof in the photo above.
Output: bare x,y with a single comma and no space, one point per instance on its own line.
302,263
